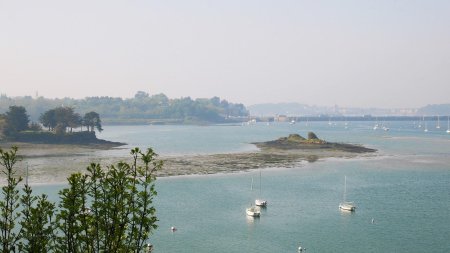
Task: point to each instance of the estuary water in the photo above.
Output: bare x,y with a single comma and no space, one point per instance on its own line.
402,192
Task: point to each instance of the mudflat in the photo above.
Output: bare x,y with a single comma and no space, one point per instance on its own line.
53,163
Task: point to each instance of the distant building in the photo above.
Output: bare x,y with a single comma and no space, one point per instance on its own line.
282,118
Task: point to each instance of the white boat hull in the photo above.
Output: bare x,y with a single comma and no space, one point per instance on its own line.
347,207
253,211
260,202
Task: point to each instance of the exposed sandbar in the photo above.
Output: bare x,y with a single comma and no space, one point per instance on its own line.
50,163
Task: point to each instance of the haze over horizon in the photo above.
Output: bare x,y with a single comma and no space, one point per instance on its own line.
353,53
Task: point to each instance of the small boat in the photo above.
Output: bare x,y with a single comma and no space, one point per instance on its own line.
438,126
300,249
253,211
376,126
346,205
260,202
448,124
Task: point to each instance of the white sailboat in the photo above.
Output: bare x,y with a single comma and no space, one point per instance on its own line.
346,205
376,124
448,124
260,202
438,125
426,128
253,211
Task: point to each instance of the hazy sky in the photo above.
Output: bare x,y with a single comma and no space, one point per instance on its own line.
362,53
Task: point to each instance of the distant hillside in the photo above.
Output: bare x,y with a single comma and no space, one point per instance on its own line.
441,109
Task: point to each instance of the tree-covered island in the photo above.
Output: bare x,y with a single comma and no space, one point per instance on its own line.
55,126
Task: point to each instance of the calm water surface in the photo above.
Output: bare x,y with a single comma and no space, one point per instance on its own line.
404,188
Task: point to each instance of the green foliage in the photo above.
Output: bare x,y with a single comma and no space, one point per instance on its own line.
9,203
92,120
104,210
110,210
61,118
37,223
142,107
16,120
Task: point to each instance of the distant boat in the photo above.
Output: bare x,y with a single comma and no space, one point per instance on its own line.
422,121
375,127
426,128
438,125
385,128
346,205
292,122
260,202
448,124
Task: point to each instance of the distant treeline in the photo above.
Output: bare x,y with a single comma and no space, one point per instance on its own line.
142,109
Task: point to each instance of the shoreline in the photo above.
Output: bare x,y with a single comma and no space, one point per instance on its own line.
52,164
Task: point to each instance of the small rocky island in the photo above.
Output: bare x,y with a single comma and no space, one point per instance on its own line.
297,142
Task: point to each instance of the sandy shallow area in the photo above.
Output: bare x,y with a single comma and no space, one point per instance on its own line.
51,164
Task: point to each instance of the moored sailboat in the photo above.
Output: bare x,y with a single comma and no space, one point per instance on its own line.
260,202
346,205
448,124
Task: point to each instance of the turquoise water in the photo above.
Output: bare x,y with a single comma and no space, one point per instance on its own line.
405,188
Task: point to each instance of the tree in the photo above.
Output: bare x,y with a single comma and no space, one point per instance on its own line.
16,120
48,119
141,95
37,225
104,210
60,119
92,120
35,232
9,203
120,216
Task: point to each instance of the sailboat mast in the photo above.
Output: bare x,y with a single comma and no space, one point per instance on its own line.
26,178
260,183
345,187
